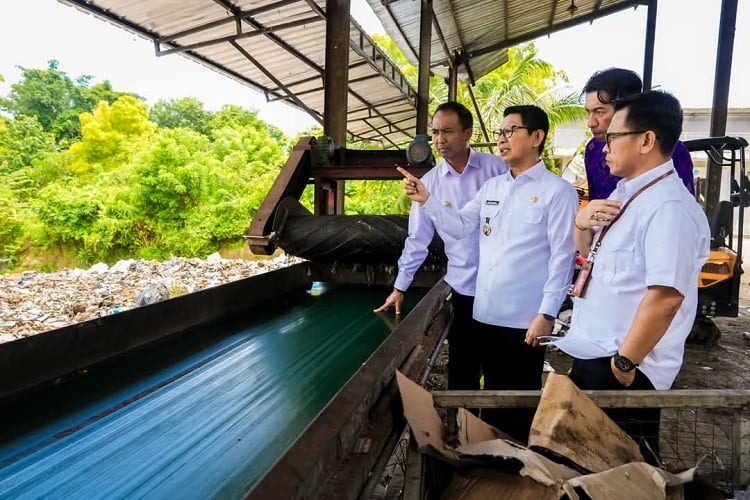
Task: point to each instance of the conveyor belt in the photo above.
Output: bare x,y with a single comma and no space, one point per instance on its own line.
204,415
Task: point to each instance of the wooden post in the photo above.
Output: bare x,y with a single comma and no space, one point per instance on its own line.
741,447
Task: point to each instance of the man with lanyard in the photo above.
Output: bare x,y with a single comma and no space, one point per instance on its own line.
646,245
526,258
603,88
454,181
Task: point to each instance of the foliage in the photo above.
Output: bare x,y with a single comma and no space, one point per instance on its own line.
110,134
524,79
23,140
181,113
12,216
375,197
55,99
88,173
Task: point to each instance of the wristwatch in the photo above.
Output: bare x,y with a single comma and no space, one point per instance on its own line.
548,317
624,364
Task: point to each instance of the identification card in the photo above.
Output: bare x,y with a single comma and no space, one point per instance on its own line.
578,289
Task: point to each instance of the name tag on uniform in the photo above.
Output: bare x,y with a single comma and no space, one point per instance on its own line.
492,202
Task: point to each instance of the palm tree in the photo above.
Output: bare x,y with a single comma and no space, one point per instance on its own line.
524,79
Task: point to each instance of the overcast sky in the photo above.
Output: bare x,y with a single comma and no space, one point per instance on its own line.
35,31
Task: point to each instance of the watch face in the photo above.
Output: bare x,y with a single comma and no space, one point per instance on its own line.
624,364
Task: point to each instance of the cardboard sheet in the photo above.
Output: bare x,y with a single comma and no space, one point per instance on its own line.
567,423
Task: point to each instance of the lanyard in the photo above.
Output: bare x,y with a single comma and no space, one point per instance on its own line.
595,248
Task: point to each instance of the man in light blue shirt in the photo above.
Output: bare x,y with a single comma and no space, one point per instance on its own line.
526,257
629,329
454,181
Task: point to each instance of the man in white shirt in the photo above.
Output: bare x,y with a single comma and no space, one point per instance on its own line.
526,258
629,328
454,181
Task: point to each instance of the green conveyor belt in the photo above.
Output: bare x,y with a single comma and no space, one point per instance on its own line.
200,416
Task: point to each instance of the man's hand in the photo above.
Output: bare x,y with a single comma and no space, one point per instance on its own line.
413,187
625,378
395,299
539,326
597,213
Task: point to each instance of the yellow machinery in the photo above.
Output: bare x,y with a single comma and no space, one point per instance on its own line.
719,281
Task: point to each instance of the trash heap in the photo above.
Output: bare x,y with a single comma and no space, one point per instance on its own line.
33,302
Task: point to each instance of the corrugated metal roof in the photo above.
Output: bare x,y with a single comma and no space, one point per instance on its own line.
482,30
278,48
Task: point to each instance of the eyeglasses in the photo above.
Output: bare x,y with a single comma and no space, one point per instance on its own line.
612,135
507,132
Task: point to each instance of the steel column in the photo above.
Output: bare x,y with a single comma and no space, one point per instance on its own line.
425,49
648,56
336,71
336,89
724,51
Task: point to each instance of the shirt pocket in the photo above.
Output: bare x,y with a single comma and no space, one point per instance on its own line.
490,211
616,266
534,215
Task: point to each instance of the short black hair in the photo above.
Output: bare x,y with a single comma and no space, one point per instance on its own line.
465,118
533,117
613,83
657,111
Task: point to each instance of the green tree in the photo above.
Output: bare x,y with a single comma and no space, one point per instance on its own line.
55,99
13,214
170,174
187,112
22,140
524,79
110,134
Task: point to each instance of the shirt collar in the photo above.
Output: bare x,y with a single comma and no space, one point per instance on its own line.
534,173
626,187
472,162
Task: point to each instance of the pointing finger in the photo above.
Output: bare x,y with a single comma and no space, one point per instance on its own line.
406,174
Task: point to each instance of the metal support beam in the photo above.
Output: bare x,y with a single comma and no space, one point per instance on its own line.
648,56
336,97
337,71
480,119
425,49
724,52
453,79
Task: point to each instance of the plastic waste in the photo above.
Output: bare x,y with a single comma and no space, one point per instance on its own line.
318,288
152,295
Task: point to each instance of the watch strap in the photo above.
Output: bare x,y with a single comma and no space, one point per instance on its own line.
624,364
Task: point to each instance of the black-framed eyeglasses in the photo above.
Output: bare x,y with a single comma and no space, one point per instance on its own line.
507,132
612,135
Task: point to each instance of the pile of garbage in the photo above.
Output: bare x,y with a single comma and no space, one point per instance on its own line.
32,302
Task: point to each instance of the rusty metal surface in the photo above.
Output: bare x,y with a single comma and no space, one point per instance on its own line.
290,182
32,361
325,461
373,274
365,173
